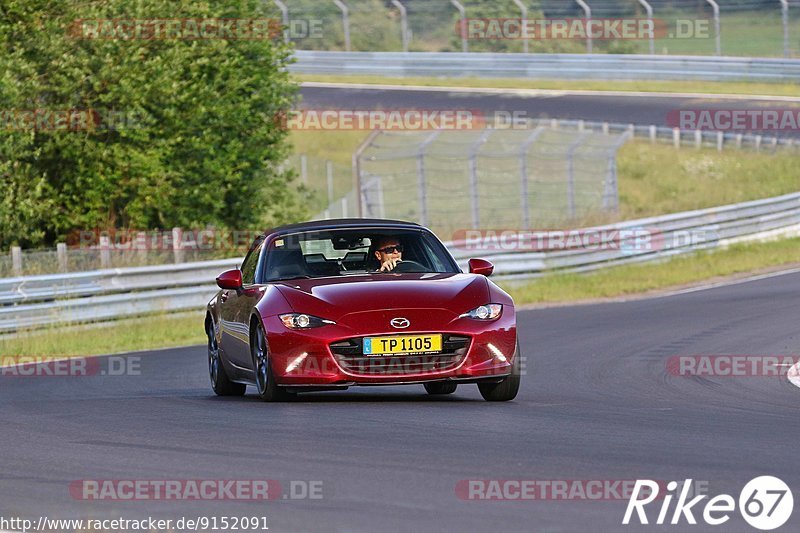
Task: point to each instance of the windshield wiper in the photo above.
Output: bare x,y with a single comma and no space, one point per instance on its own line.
300,276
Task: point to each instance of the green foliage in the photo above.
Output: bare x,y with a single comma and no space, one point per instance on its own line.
195,143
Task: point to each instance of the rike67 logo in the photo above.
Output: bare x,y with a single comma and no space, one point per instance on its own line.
765,503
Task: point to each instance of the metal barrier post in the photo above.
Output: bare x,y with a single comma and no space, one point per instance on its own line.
785,18
523,174
422,186
105,251
524,10
345,22
285,17
177,245
473,177
329,174
462,26
61,252
403,23
715,7
588,11
571,174
16,260
381,209
611,188
649,10
141,247
356,164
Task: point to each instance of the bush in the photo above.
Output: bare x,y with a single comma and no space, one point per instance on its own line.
195,145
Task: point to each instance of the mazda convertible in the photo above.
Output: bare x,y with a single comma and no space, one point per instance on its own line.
332,304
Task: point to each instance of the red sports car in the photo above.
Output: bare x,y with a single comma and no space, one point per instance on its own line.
336,303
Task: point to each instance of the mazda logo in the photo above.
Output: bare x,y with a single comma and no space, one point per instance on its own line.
399,323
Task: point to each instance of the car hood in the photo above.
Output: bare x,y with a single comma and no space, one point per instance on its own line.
333,298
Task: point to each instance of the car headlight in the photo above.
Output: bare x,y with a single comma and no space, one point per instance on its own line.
484,312
303,321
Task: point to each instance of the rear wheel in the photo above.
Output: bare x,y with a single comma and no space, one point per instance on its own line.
266,386
219,379
441,387
506,389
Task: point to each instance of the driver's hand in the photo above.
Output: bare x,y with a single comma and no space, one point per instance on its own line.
389,264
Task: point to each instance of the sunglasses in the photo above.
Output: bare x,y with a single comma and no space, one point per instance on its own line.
392,249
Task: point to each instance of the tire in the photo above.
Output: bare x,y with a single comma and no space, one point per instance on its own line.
506,389
441,387
266,386
220,383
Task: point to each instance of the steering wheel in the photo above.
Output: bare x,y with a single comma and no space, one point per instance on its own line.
409,266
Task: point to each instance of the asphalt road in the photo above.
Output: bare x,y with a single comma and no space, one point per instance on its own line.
643,110
597,404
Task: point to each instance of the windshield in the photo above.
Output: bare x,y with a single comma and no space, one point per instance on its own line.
318,254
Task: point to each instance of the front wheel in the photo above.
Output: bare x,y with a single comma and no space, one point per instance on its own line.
266,386
219,379
506,389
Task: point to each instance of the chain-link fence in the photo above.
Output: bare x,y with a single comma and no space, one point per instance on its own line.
552,173
122,250
695,27
521,178
327,181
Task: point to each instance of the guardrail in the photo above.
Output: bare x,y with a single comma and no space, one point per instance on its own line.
546,66
645,239
108,294
34,301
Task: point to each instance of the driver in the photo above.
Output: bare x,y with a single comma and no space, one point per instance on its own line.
388,252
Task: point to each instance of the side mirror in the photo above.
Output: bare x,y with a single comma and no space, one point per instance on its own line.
481,266
230,279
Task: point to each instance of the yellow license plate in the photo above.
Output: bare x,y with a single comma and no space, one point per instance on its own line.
409,344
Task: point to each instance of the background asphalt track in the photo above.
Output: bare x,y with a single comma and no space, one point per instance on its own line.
597,403
641,110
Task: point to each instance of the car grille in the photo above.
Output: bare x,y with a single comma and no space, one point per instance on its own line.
349,355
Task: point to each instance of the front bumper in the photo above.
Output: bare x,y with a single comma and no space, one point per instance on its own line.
304,358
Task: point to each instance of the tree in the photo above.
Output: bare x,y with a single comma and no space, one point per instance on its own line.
153,133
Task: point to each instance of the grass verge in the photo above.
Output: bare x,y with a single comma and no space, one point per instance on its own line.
159,331
646,86
656,179
642,278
